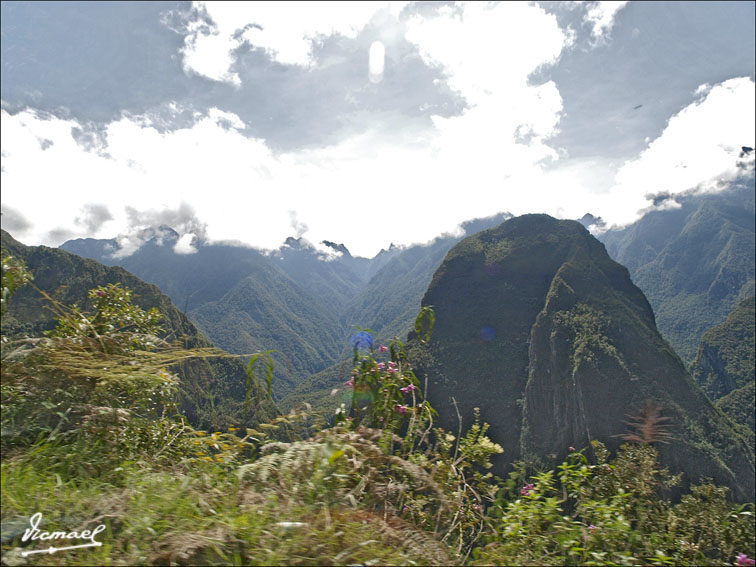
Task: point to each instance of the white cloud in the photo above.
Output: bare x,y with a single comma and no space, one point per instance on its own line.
184,245
373,187
285,30
365,191
601,16
697,150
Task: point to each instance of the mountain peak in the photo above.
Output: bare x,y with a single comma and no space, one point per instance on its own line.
337,247
539,328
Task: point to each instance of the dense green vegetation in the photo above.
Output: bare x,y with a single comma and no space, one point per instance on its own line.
725,366
694,263
382,486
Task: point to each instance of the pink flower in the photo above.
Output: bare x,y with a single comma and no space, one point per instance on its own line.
383,348
349,382
100,293
592,528
401,409
392,364
381,366
527,489
407,389
743,560
572,449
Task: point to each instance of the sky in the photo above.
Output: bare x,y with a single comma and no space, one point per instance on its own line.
363,123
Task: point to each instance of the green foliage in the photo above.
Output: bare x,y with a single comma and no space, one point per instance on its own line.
14,276
588,326
115,316
260,367
610,513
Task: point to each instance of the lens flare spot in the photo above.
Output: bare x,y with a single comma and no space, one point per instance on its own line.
363,396
493,269
376,61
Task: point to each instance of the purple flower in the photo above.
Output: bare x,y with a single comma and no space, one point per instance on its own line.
407,389
401,409
362,340
742,560
527,489
383,348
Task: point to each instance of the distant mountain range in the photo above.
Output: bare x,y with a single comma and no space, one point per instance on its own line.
295,300
695,262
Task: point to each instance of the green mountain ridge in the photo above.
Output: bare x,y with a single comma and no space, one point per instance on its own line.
212,390
538,328
240,298
725,367
694,263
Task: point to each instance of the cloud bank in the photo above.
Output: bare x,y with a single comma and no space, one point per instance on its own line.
385,177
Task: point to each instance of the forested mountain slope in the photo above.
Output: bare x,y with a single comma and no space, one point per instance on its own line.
724,366
695,263
212,390
550,338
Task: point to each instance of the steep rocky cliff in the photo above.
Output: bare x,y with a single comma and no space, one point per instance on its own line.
549,337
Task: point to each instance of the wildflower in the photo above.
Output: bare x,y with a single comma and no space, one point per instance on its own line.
392,364
401,409
383,348
407,389
349,382
362,340
572,449
742,560
592,528
100,293
527,489
381,366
